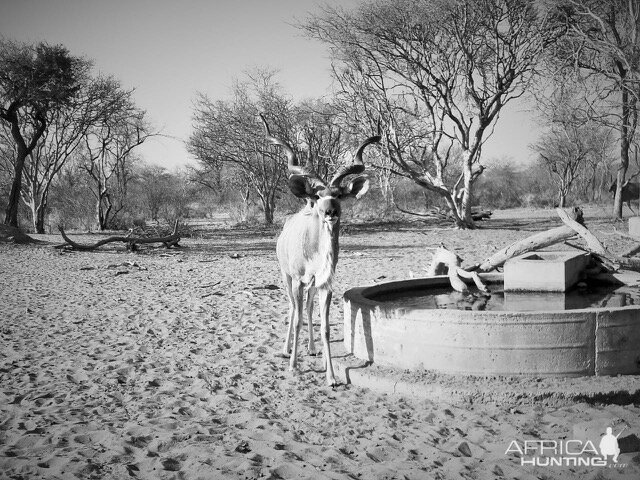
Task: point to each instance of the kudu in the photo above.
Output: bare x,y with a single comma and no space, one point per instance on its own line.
307,248
630,192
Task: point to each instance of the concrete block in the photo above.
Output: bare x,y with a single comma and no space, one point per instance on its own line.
544,271
520,301
634,227
618,342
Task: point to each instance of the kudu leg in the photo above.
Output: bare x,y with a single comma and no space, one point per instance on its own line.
286,279
311,293
629,205
298,299
325,303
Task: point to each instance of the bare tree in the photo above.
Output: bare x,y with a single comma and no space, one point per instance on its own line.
603,42
7,157
597,172
70,199
154,180
66,127
35,80
437,74
573,145
163,194
107,154
228,134
563,154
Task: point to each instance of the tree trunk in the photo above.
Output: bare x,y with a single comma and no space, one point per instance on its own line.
602,185
40,217
267,199
23,150
106,217
464,218
100,216
11,212
624,154
563,200
459,221
244,208
533,242
103,209
466,196
593,185
34,214
38,206
268,212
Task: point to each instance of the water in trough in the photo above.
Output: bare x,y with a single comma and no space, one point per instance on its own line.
587,296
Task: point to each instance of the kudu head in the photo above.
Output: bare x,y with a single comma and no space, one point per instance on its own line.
323,196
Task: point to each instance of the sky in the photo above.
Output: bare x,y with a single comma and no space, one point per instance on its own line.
169,50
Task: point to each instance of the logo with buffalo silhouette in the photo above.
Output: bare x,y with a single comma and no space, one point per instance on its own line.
570,453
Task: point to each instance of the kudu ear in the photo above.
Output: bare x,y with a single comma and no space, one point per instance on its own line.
302,187
356,188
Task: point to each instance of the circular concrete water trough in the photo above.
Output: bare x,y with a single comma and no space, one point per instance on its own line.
592,341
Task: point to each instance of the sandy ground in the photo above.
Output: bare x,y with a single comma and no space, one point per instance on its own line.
165,364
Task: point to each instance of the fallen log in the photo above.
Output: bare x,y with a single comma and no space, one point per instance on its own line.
447,262
623,263
633,250
612,262
592,242
573,226
594,246
131,241
534,242
434,213
478,213
481,215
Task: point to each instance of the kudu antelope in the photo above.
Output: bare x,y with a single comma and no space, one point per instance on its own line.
630,192
307,248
